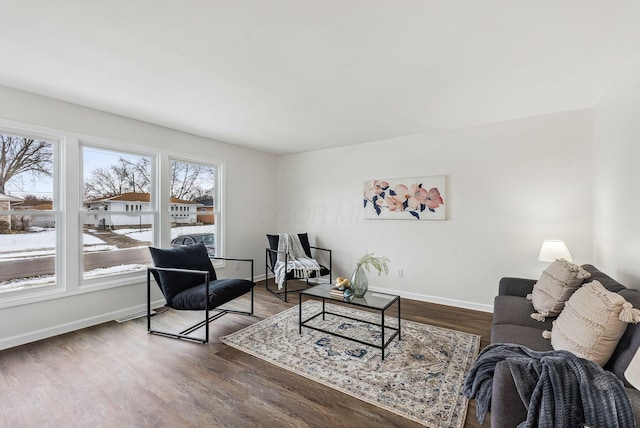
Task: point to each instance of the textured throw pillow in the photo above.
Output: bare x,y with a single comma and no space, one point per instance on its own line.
556,284
592,322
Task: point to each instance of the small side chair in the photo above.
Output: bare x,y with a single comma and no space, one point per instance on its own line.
188,282
271,257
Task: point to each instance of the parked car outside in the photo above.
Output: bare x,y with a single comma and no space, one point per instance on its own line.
207,238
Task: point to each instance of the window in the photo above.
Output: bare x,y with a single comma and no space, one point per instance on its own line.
29,213
55,242
194,185
119,215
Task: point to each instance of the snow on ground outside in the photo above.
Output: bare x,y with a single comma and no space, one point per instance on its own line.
36,241
41,243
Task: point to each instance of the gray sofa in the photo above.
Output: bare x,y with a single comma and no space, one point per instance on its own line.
512,323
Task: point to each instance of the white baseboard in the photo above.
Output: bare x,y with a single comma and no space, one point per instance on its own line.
257,278
32,336
427,298
434,299
431,299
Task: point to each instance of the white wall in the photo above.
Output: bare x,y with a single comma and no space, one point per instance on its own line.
510,185
250,184
616,179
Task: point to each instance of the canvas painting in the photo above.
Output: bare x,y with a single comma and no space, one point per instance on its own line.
417,198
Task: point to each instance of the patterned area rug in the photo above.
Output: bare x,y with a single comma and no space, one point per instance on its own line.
420,378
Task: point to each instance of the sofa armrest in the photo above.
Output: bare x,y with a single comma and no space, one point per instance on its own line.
634,397
515,286
507,409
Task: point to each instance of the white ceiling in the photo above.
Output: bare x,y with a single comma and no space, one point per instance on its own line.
292,76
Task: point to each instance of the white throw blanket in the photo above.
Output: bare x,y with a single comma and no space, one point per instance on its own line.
297,260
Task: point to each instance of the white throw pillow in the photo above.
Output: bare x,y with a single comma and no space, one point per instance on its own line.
592,322
555,286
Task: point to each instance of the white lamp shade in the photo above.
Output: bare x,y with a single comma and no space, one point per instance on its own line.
552,250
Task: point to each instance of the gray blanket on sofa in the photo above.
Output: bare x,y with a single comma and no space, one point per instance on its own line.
558,388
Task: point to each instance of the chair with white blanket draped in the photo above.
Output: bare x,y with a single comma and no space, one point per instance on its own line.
289,257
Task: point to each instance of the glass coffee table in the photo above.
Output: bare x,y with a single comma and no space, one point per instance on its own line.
371,300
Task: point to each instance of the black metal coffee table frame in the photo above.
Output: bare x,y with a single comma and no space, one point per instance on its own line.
371,300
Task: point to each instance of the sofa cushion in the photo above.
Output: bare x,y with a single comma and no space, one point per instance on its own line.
592,323
556,284
522,335
517,310
510,286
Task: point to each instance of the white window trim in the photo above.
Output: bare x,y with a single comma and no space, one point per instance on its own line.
124,278
13,298
220,189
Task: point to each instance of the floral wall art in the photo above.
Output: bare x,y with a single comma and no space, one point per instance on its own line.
419,198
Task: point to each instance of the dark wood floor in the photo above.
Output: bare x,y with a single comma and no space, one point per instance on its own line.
117,375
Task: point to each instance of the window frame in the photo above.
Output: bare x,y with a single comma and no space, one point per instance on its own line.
117,278
11,297
70,212
218,197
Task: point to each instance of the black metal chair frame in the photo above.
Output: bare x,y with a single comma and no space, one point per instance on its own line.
185,334
282,294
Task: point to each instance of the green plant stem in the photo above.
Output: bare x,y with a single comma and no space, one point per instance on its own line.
379,263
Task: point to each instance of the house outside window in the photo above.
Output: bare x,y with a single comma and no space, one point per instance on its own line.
116,234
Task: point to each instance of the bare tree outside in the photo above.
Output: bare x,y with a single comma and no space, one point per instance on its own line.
188,181
123,177
23,158
191,181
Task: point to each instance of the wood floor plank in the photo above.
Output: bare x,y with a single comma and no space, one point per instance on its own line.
118,375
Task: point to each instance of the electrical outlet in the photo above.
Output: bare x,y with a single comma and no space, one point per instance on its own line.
400,273
237,265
